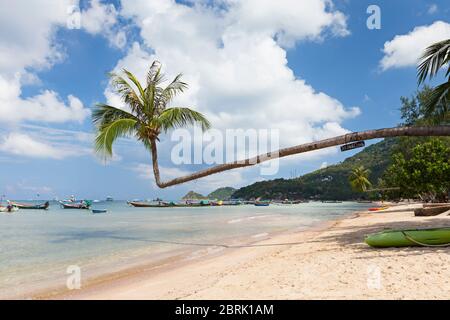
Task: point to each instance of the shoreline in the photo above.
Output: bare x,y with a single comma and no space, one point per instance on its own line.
326,261
179,258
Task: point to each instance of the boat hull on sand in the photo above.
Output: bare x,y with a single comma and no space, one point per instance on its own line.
378,208
411,237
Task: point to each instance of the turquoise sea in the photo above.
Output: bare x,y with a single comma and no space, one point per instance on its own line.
37,246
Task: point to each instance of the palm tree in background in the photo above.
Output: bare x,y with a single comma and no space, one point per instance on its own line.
149,114
359,179
433,59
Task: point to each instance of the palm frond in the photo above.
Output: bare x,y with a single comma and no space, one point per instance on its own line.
438,103
127,93
434,57
110,132
136,82
104,114
175,87
172,118
154,75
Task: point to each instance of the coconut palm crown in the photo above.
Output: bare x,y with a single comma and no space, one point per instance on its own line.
433,59
359,179
149,113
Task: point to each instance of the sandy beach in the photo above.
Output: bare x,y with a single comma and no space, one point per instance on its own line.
330,261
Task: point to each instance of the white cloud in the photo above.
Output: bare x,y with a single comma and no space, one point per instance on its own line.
405,50
232,56
101,18
44,107
27,30
41,142
432,9
288,20
24,145
26,34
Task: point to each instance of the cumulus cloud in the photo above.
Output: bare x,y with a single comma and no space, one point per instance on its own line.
26,34
27,30
405,50
44,107
289,20
233,57
101,18
23,145
432,9
41,142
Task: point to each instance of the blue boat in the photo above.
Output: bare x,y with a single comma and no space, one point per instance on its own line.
261,204
99,211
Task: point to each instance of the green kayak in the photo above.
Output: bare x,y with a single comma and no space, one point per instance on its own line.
407,238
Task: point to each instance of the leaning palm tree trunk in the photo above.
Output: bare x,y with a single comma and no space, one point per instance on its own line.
350,137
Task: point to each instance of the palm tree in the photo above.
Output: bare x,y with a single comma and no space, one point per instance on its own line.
149,114
424,131
359,179
433,59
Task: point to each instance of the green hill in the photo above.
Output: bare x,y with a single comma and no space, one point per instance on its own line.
191,195
222,193
330,183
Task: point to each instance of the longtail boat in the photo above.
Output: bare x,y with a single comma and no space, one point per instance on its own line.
378,208
262,203
9,209
42,206
75,205
138,204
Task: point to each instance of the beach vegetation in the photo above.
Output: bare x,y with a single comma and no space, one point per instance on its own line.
423,173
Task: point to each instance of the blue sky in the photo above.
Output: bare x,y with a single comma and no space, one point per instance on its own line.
307,69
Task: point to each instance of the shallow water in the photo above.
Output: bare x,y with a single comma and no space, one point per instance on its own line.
37,246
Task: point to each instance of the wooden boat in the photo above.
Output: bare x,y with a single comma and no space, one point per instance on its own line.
232,203
138,204
378,209
9,209
42,206
261,204
99,211
412,237
75,205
